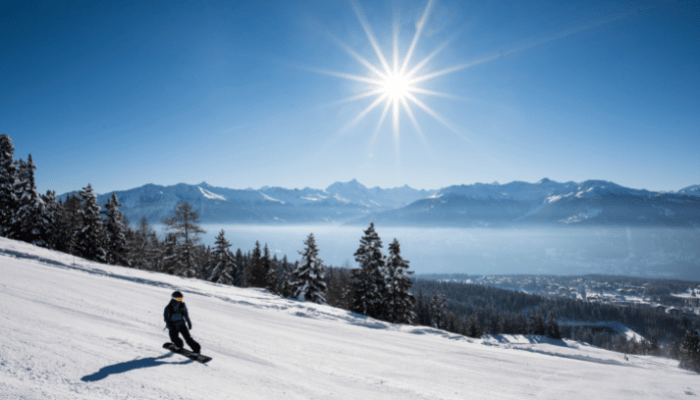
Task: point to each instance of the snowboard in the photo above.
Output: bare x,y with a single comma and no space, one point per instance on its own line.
192,356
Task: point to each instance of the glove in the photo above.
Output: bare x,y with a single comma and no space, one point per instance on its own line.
189,325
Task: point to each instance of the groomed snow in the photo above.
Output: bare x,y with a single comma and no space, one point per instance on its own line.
91,331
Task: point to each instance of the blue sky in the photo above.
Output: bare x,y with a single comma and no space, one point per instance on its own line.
247,94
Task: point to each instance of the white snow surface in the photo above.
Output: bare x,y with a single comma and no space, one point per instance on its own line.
73,329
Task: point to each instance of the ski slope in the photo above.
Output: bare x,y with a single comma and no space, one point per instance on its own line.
72,329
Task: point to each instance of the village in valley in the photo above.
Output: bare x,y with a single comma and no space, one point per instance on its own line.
672,297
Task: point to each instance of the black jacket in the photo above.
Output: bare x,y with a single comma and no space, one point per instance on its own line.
175,314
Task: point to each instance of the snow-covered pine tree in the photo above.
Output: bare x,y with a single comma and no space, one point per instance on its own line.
56,236
401,303
370,279
90,239
223,263
8,176
308,279
32,220
16,228
185,227
115,232
438,310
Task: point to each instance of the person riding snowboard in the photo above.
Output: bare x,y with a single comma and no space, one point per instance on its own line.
176,316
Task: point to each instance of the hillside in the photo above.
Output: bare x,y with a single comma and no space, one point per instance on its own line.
74,329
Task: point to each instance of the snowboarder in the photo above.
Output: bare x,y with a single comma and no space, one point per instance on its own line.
176,316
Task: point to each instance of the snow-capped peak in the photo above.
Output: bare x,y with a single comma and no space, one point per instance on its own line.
210,195
272,199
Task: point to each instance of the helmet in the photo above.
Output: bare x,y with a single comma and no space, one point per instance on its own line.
176,295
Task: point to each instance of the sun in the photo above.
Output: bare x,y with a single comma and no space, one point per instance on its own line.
395,86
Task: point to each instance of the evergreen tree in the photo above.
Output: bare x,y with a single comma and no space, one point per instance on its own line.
32,221
150,250
205,261
139,256
552,328
9,203
536,324
171,264
55,234
308,278
338,281
185,227
422,309
494,323
15,230
268,272
273,277
154,252
474,329
438,310
223,263
71,221
115,233
255,276
370,278
689,352
400,302
90,240
285,277
239,273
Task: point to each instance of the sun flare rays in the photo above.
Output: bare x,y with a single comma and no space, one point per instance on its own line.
393,82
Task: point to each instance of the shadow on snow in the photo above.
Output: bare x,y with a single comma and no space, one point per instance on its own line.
130,366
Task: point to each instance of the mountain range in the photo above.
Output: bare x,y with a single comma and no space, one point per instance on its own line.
592,202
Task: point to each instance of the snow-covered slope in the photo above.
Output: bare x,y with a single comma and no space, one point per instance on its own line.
72,329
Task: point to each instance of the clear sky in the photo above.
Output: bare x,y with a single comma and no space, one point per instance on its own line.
247,94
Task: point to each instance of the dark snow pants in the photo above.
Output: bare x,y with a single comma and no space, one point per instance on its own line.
175,337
